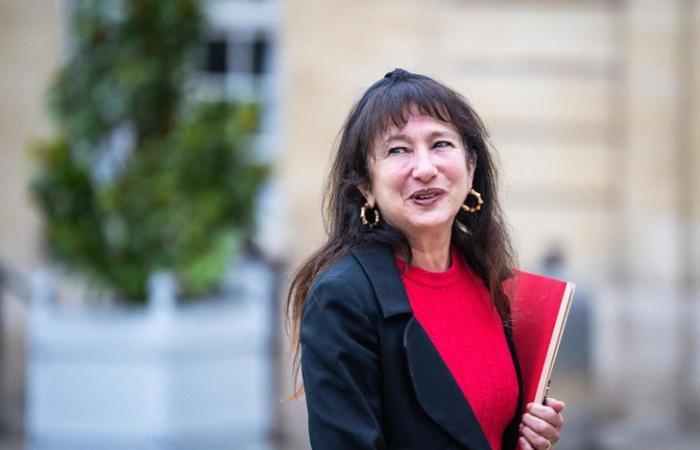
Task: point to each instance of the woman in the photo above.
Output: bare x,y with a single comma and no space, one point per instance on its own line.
401,317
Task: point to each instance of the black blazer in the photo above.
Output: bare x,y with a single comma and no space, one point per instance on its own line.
373,378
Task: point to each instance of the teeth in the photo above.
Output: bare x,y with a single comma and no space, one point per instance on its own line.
425,196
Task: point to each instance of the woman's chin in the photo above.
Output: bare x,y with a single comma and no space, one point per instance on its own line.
432,225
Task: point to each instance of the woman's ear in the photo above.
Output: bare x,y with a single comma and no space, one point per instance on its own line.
366,193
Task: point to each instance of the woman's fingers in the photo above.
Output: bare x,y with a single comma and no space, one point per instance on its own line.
558,405
546,413
534,441
541,427
524,444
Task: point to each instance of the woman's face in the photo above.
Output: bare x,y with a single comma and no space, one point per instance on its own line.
420,176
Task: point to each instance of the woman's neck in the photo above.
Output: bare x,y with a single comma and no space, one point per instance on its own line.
431,254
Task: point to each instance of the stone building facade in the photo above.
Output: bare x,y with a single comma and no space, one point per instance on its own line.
593,107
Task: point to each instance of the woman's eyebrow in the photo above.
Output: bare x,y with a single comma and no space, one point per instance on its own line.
439,133
397,137
432,135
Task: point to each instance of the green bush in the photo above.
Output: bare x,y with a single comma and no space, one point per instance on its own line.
140,177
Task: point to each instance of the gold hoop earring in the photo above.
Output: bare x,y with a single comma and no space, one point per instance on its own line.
363,216
479,202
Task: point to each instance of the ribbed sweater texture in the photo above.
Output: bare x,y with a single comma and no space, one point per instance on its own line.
455,309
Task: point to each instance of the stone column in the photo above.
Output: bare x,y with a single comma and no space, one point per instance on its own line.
688,386
657,208
29,35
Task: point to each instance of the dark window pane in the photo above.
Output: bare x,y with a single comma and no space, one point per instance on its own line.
260,50
217,60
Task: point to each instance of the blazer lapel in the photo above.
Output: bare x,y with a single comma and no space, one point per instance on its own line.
438,392
380,267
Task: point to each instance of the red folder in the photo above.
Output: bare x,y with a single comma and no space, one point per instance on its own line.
540,306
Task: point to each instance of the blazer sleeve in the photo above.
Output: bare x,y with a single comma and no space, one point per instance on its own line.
341,369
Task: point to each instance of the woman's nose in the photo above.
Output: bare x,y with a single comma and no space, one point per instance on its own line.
424,167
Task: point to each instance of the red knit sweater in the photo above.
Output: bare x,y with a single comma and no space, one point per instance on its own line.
455,309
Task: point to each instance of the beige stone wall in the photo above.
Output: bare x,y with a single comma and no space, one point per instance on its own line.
654,303
28,53
651,173
693,139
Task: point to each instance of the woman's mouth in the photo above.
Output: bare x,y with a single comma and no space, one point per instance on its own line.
426,197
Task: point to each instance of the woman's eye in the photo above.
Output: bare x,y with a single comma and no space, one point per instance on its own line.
396,150
440,144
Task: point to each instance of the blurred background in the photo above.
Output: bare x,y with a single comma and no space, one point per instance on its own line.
161,167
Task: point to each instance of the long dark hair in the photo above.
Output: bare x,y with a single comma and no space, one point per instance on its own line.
481,238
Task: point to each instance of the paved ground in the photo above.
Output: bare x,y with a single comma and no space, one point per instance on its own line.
583,430
690,442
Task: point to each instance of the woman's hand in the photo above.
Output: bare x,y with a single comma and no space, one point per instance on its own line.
541,425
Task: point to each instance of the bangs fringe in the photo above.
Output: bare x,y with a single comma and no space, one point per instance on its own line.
403,100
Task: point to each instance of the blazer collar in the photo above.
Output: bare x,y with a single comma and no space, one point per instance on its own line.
380,267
